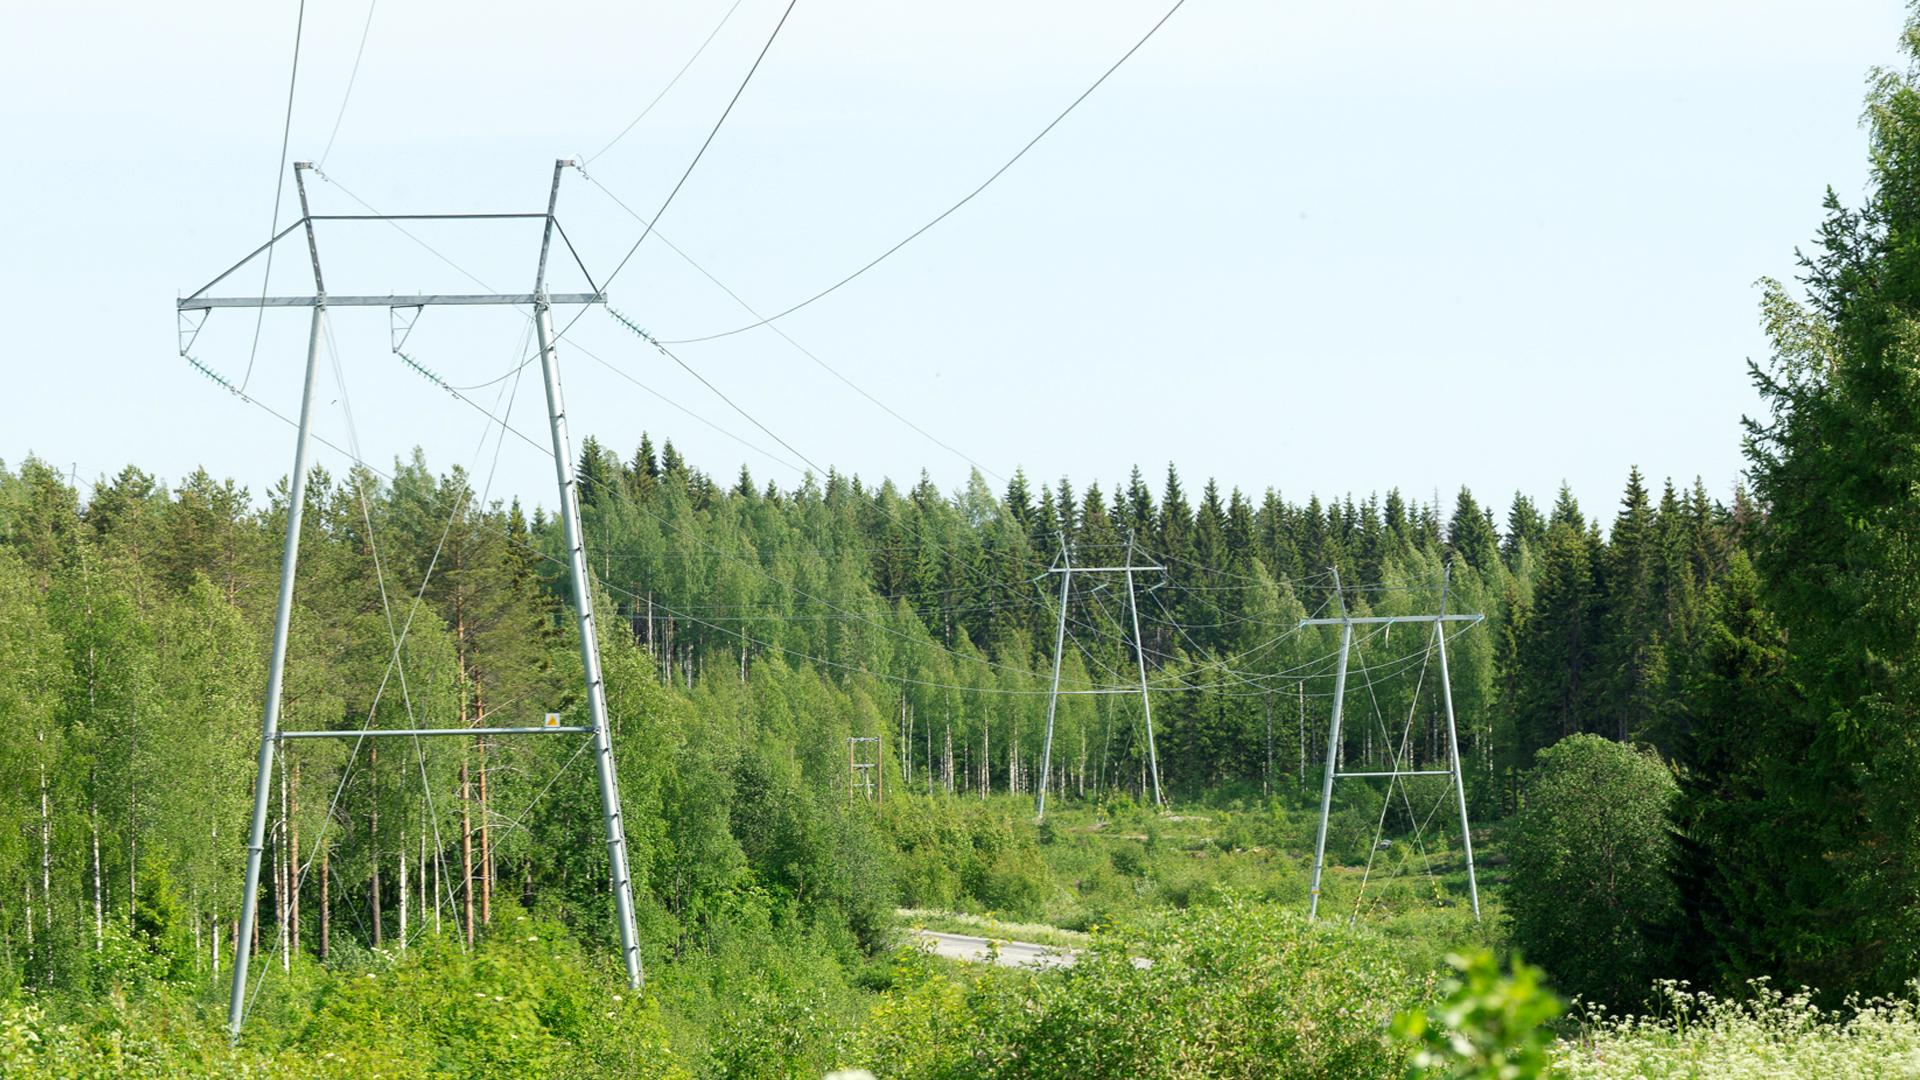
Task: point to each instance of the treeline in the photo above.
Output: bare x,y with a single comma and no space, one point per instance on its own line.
762,629
1799,820
1587,630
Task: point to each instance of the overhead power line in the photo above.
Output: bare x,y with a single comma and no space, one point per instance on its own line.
804,351
279,188
668,353
1163,681
949,210
528,357
351,78
671,83
691,165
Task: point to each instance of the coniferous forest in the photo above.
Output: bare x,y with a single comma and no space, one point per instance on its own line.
1686,730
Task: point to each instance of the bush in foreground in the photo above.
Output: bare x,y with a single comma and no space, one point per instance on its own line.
1590,852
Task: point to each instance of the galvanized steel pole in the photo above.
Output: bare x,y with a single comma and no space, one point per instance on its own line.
1053,699
1453,748
1140,652
1333,753
283,612
583,605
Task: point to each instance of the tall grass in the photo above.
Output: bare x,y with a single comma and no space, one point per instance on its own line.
1771,1035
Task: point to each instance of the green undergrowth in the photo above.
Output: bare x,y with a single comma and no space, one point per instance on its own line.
1115,860
1237,988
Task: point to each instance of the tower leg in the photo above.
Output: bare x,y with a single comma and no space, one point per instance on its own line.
1333,751
1333,760
589,649
276,669
1053,699
1453,751
603,766
1140,654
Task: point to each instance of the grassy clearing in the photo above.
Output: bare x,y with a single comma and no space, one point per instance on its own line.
959,922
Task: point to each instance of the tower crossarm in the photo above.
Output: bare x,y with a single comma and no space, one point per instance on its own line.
205,303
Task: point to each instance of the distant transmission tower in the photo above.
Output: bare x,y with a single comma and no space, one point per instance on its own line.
1066,571
865,775
270,735
1346,624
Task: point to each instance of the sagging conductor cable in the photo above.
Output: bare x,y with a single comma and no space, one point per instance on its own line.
279,186
691,165
949,210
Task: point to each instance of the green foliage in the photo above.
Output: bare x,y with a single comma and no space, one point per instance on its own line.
814,850
965,855
1731,869
924,1026
117,1042
524,1003
746,634
1233,989
1835,466
1590,851
160,922
771,1036
764,1000
1488,1026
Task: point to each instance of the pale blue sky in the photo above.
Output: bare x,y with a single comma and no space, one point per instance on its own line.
1322,247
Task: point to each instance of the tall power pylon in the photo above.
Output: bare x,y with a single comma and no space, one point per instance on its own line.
1066,570
1346,623
541,302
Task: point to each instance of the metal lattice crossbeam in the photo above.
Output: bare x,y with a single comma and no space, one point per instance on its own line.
206,303
373,733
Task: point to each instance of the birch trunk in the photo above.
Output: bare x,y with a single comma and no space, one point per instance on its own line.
373,838
99,898
326,903
293,854
486,849
466,857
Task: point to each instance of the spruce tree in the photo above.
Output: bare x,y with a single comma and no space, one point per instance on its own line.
1140,515
1175,532
1019,500
643,476
1733,871
1274,524
1470,535
598,471
1835,466
1631,653
1526,529
1556,657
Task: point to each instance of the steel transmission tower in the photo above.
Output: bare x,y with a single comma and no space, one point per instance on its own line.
1066,571
1346,624
541,302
